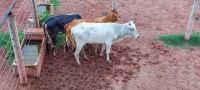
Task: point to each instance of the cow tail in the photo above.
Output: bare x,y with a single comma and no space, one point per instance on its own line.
45,32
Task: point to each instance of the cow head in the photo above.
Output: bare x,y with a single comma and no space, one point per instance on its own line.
132,29
112,16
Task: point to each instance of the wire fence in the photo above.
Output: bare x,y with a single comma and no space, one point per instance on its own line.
8,78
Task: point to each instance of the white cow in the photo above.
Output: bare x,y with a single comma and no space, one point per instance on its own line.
102,33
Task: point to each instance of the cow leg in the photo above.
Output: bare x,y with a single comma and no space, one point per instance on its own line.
70,38
66,44
83,53
73,41
49,42
52,41
102,49
77,51
53,46
96,48
65,49
53,49
108,47
47,47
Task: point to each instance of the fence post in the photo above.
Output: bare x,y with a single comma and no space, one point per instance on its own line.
35,13
46,1
114,4
17,49
191,19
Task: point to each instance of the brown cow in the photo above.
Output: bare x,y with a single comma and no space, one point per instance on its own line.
112,16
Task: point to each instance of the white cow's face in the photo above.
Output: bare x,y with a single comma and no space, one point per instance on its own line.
132,29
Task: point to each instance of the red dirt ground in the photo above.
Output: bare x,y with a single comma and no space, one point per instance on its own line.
137,64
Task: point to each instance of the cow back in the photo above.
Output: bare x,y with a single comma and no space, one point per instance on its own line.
64,19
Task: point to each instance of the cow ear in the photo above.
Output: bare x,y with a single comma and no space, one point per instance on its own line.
132,21
106,12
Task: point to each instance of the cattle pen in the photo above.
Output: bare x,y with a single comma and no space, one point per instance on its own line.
26,56
145,63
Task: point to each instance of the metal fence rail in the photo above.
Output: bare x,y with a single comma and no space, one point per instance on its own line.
7,12
8,80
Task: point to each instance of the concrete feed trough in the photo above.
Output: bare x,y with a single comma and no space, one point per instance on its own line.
41,8
46,7
33,51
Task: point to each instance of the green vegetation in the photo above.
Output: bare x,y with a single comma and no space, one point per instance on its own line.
178,40
5,37
60,39
55,3
7,44
43,16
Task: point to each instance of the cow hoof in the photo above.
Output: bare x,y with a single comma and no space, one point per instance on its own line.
64,51
54,54
96,53
109,61
65,56
86,58
79,65
101,54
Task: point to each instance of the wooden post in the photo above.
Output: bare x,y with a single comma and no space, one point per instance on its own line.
114,4
191,19
17,49
35,13
46,1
